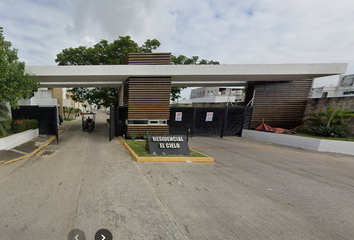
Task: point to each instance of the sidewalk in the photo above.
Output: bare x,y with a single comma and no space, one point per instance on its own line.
28,148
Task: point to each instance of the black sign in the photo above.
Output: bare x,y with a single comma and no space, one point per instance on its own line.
167,145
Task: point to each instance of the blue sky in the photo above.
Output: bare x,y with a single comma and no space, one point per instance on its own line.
231,32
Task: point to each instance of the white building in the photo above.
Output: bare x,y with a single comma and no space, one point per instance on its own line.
343,88
215,95
43,97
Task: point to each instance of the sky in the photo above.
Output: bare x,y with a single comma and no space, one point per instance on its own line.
228,31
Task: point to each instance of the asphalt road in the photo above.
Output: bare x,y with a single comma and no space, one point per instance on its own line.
254,190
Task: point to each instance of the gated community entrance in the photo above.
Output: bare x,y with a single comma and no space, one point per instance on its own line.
275,92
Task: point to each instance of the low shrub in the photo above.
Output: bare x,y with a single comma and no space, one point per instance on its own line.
146,134
21,125
328,122
132,135
331,131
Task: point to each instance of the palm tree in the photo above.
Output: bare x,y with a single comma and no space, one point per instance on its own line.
77,110
70,111
5,119
330,121
329,116
65,110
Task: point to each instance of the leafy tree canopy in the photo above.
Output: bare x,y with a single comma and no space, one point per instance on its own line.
101,97
183,60
15,84
102,53
105,53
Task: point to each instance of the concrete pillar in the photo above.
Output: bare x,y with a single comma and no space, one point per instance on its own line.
120,96
58,94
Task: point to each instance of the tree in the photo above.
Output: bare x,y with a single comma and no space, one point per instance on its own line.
5,120
183,60
77,111
69,111
105,53
102,53
329,122
101,97
15,84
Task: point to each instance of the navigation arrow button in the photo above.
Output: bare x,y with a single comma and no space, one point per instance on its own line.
76,234
103,234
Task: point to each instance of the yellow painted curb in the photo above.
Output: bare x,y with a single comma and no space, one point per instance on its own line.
35,151
165,159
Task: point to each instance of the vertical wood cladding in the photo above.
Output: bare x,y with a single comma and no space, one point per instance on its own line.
148,59
147,99
280,104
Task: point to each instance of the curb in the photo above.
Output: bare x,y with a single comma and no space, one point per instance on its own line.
206,159
32,153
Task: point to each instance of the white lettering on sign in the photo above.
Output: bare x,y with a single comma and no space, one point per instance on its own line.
172,145
169,145
167,139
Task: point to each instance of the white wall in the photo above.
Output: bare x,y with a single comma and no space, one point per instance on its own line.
17,139
326,81
66,102
41,98
320,145
43,94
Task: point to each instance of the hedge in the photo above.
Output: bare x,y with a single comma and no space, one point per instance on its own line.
21,125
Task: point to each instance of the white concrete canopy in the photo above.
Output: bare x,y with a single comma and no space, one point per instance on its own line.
181,75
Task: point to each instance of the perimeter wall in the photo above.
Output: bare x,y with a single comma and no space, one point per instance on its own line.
346,103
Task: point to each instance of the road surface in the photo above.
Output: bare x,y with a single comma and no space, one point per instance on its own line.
254,190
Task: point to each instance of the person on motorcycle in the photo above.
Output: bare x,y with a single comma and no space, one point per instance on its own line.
89,120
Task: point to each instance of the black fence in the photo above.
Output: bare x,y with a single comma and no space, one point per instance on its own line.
47,118
116,122
197,121
208,121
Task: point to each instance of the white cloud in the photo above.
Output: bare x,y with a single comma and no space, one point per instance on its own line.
229,31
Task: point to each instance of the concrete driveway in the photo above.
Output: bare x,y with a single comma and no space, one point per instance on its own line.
253,190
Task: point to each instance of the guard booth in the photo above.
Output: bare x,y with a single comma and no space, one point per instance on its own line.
278,93
194,121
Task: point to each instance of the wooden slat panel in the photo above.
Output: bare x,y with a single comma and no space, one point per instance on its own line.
280,104
148,59
147,99
141,129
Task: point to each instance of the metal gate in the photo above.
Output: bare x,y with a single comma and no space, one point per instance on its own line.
116,122
112,122
48,121
47,118
208,121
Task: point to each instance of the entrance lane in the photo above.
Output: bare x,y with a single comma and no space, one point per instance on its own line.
257,191
87,183
252,191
